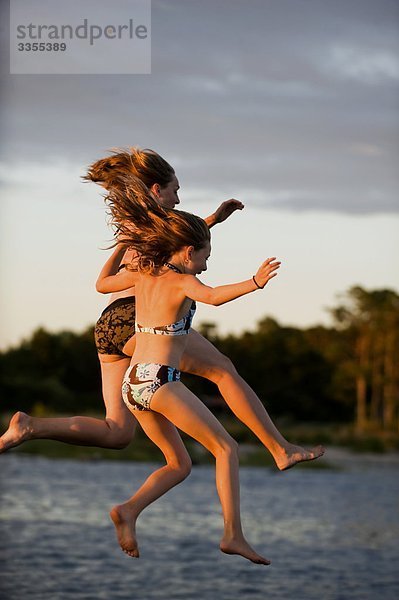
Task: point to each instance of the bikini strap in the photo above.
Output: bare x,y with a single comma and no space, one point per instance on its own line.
173,268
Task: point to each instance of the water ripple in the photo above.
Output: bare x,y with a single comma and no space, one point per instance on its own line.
331,535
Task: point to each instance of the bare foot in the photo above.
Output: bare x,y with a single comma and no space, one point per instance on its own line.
296,454
18,431
125,524
240,546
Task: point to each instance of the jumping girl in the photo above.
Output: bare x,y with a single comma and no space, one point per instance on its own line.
172,248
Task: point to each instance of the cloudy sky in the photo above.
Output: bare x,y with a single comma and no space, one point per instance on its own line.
289,105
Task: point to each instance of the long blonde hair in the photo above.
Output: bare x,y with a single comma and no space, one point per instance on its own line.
145,164
153,231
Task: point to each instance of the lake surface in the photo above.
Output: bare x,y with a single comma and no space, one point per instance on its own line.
331,534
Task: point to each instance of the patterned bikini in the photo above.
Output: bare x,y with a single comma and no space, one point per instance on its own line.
115,326
142,380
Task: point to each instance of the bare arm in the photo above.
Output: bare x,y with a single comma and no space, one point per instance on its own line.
223,212
193,288
109,280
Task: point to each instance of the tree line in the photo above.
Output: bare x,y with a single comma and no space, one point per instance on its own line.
344,373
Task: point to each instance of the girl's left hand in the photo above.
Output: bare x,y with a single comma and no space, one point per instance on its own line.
266,271
226,209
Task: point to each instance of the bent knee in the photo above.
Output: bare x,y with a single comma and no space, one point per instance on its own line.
228,447
182,467
185,466
185,469
221,369
119,440
120,432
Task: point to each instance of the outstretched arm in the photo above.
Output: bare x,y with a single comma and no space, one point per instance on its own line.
193,288
223,212
109,279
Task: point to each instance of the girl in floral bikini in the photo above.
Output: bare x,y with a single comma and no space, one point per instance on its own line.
172,249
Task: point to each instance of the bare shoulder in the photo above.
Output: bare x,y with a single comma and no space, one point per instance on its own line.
190,282
186,278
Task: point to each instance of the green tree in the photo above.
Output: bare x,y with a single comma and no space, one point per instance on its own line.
57,370
370,319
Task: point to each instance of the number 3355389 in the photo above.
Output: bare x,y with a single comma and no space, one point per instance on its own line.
42,47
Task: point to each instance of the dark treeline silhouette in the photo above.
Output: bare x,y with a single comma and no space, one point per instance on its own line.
344,373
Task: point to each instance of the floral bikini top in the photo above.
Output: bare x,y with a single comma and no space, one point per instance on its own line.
181,327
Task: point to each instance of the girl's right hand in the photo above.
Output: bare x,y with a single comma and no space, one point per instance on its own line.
266,271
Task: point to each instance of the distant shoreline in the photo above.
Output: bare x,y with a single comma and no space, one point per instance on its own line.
251,455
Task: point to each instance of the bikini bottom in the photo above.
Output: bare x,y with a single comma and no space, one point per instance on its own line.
142,380
115,327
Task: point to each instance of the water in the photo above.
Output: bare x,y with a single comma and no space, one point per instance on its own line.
331,534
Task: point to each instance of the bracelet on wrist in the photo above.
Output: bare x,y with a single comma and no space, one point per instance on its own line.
260,287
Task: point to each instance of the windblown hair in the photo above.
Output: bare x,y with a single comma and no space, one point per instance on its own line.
145,164
153,231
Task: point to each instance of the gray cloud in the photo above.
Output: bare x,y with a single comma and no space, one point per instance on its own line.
291,103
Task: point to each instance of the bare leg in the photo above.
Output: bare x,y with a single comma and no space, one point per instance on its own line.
203,359
115,431
177,468
187,412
